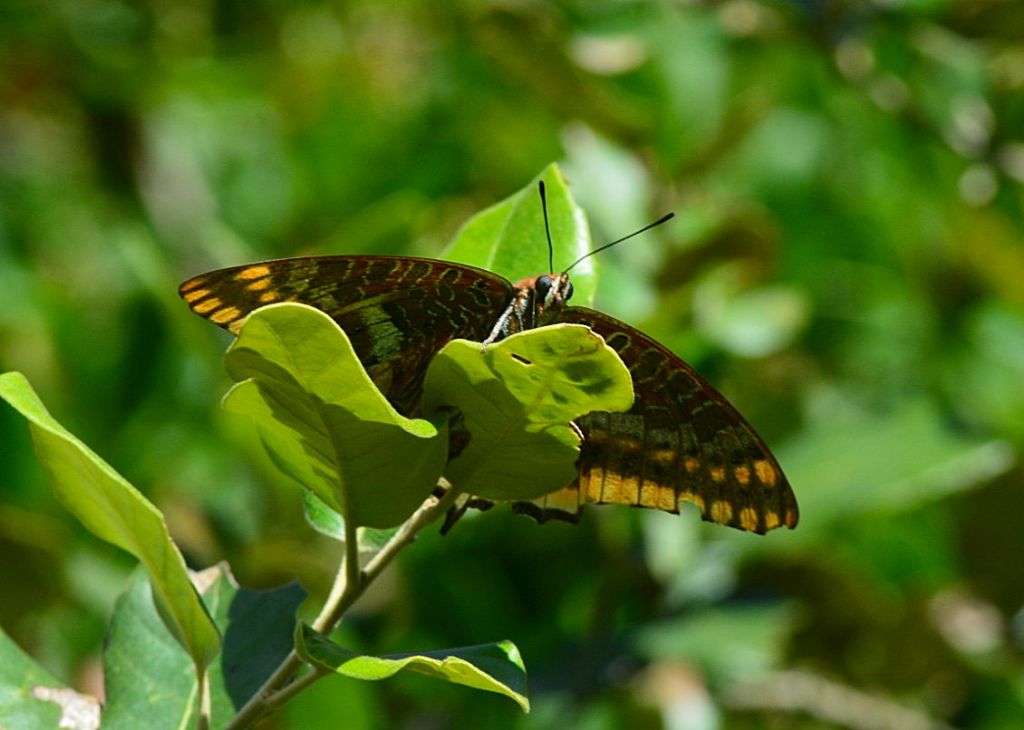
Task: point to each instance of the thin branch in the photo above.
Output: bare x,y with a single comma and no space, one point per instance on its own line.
205,709
427,513
347,588
347,580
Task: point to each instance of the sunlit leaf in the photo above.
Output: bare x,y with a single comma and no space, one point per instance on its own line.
325,423
509,237
115,511
490,667
518,397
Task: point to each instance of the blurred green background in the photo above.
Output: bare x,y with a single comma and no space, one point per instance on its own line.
847,265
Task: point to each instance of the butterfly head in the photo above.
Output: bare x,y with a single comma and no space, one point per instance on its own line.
543,296
553,291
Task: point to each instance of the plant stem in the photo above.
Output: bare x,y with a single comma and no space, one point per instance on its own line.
348,581
205,708
347,588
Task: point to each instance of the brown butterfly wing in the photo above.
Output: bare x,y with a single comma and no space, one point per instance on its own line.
397,311
682,440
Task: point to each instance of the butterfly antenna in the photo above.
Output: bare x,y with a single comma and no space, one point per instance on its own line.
649,226
547,227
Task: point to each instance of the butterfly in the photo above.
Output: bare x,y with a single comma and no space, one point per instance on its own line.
681,441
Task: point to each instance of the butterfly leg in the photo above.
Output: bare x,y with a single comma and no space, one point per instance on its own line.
499,331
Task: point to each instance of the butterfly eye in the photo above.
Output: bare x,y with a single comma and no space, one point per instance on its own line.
543,287
568,290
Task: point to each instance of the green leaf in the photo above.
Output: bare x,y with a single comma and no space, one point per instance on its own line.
328,522
322,518
517,398
325,423
25,689
508,237
147,679
113,510
259,630
493,667
146,674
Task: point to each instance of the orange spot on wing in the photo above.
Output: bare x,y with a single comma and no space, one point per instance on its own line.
590,484
565,500
765,472
619,490
225,315
693,499
748,519
771,520
667,499
192,284
662,456
207,306
721,512
742,474
193,294
253,272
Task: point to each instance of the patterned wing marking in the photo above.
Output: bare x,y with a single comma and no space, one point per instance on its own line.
682,440
398,311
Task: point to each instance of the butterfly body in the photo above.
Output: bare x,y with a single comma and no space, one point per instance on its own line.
681,440
537,302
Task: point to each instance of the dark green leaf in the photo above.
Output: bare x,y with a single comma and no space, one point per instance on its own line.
148,682
259,629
